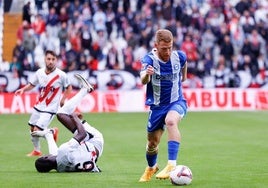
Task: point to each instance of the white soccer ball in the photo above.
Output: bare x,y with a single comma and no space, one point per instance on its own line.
181,175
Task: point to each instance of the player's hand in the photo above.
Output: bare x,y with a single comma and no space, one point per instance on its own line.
150,70
19,92
61,103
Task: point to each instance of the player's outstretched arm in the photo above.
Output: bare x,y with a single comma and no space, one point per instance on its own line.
27,87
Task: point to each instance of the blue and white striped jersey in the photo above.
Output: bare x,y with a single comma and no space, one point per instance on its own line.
165,84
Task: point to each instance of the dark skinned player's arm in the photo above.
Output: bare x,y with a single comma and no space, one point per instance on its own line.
81,132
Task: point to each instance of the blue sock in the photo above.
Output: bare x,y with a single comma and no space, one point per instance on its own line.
151,159
173,149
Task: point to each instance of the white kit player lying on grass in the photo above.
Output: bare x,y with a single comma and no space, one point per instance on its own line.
81,152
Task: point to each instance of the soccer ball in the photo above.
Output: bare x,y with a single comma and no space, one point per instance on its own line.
181,175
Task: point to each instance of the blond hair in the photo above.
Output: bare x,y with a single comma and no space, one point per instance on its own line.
163,35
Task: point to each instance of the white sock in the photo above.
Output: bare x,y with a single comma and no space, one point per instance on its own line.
52,146
71,104
172,162
36,143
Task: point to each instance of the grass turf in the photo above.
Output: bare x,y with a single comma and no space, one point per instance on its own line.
223,149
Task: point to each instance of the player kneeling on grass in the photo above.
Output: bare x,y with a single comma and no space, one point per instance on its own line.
81,152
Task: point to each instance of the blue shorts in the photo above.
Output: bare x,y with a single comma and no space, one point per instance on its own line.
157,114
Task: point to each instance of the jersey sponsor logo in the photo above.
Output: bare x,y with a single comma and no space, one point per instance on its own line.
170,77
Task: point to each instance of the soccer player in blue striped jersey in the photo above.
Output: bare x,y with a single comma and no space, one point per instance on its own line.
163,71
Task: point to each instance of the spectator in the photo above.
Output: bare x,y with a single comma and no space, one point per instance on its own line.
227,49
110,20
86,14
39,26
48,42
207,41
52,22
221,74
119,17
63,16
39,5
247,21
26,12
63,35
242,5
86,38
190,48
29,45
19,51
96,52
256,44
82,63
99,20
71,57
22,30
16,68
112,61
74,38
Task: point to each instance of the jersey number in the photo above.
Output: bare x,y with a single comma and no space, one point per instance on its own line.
85,167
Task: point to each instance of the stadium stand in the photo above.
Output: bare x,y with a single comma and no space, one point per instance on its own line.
213,33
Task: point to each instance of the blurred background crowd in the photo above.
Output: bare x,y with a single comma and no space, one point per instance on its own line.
225,41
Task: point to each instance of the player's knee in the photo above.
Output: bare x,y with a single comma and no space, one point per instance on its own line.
171,122
152,149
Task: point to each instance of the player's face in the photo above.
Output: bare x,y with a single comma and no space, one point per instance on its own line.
50,62
164,50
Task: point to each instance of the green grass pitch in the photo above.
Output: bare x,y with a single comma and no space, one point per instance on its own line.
223,150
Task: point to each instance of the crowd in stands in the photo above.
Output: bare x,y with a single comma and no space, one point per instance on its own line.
219,37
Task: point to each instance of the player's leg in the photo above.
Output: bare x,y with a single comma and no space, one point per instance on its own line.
43,124
84,83
173,117
154,133
35,140
151,155
173,144
66,120
70,105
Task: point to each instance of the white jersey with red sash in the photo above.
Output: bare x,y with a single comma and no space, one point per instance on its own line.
51,88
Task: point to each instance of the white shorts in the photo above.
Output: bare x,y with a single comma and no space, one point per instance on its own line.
40,119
